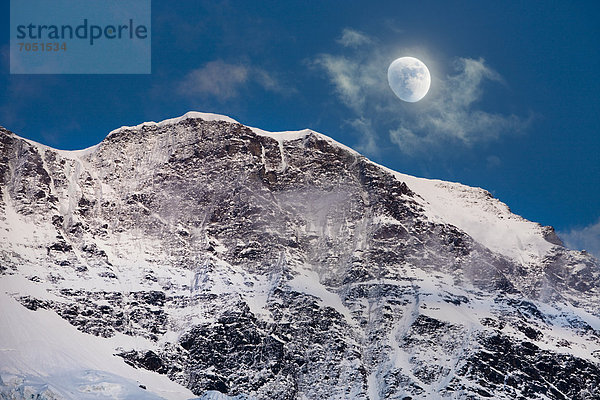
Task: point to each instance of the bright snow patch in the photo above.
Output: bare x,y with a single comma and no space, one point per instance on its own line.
484,218
42,354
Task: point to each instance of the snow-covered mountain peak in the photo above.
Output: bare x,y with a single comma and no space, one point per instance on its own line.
280,136
171,121
284,265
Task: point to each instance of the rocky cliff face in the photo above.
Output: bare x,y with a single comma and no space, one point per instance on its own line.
287,266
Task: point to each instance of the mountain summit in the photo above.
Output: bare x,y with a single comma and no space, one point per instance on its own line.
201,257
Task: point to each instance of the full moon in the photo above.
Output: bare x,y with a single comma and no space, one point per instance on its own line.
409,79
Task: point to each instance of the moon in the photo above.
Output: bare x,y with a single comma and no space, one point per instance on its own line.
409,79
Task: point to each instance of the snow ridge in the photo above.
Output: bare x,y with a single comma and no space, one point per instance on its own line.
208,259
472,210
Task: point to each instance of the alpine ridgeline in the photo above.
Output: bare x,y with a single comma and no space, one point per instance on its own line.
200,257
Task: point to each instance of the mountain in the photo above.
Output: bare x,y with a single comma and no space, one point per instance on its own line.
200,257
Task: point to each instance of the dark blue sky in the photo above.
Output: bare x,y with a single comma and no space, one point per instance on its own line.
513,106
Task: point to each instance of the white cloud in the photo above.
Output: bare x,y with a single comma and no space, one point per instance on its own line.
586,238
223,81
269,82
216,78
448,115
348,77
352,38
452,112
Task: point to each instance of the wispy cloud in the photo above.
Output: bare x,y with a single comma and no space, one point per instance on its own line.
352,38
344,75
224,81
449,113
452,113
216,78
269,82
586,238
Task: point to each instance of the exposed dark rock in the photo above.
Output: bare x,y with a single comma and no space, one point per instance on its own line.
288,269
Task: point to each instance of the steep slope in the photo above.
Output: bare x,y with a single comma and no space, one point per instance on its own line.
285,265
